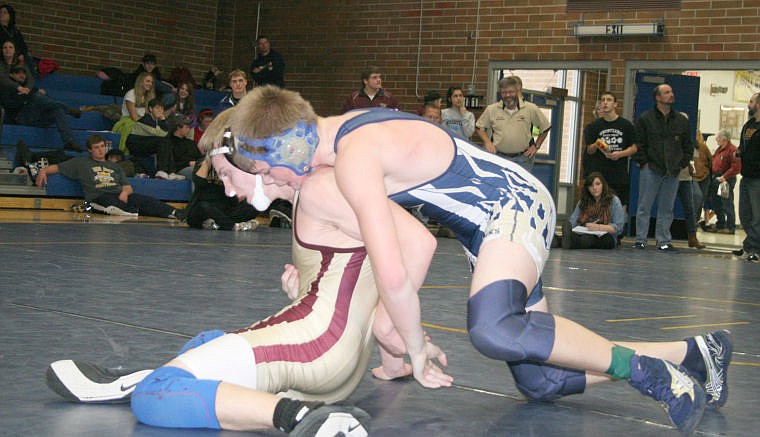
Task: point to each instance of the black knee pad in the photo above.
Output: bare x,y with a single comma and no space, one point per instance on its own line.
546,382
500,328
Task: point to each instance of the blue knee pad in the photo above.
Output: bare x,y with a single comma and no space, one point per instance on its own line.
545,382
500,328
174,398
203,337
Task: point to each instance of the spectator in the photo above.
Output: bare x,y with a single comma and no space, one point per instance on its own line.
749,188
27,106
267,67
117,157
610,140
211,209
211,80
11,58
702,172
149,64
511,123
664,143
185,100
203,121
238,88
371,94
184,151
725,167
432,98
690,196
9,32
136,98
147,138
432,113
106,186
600,215
456,117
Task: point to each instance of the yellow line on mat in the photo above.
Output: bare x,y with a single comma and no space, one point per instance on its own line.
703,325
638,319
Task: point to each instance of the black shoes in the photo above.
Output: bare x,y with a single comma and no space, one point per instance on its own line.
739,252
639,245
74,112
667,248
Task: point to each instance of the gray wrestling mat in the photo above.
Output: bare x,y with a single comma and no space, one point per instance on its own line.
131,293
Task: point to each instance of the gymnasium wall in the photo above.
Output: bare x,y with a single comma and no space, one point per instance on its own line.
421,45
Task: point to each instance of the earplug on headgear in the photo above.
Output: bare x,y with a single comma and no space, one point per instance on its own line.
294,148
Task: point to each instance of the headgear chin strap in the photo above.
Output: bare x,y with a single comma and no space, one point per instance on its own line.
294,148
260,200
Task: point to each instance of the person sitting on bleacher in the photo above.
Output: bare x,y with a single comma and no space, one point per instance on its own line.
148,138
136,99
12,58
184,151
105,185
29,107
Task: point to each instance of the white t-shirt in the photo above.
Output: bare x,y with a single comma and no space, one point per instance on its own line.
130,95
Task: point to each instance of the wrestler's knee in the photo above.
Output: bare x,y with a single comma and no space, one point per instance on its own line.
173,398
500,328
545,382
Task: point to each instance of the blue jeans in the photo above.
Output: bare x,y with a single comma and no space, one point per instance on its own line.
522,160
42,111
663,188
749,213
724,207
691,197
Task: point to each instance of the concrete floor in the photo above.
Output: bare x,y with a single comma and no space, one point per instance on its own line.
130,292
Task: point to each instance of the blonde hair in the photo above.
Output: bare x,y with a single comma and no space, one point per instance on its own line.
141,97
269,110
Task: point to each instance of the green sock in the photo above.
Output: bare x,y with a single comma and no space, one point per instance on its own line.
620,367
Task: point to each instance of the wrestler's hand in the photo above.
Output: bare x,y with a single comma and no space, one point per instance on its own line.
490,146
426,372
289,280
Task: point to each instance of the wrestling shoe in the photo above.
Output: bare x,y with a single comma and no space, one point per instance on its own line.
88,383
682,398
716,348
332,421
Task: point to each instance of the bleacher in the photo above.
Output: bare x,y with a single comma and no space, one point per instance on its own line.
80,91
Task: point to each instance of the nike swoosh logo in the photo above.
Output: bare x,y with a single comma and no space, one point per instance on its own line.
351,428
128,387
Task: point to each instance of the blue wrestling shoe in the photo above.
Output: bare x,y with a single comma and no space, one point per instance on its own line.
716,348
682,397
333,421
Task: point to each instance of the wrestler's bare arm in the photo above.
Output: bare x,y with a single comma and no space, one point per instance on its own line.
359,173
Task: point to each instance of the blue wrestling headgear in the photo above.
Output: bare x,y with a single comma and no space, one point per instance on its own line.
294,148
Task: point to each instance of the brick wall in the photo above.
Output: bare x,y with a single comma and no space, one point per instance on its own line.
85,35
327,43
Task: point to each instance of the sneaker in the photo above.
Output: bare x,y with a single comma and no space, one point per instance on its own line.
161,175
639,245
716,348
682,398
739,252
753,258
89,383
210,224
112,210
250,225
667,248
81,207
333,420
176,177
179,214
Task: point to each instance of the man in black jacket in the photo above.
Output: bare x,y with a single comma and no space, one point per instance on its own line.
665,147
749,188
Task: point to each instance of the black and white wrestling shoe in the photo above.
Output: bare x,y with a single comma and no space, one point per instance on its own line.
82,382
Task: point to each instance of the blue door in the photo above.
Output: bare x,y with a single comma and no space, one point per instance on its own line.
545,167
686,89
